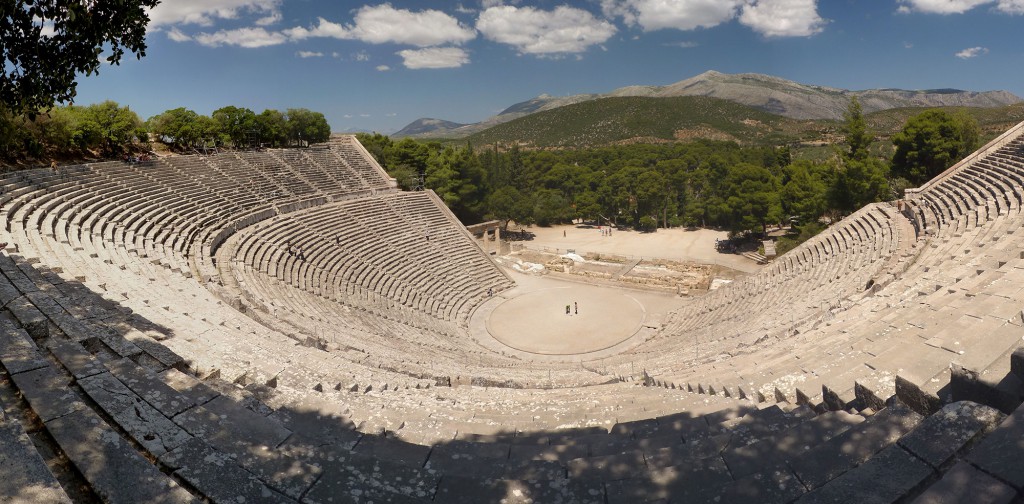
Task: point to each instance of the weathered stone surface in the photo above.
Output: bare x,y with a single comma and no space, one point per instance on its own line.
1001,453
20,353
47,392
828,460
231,428
114,470
26,479
941,436
699,481
458,489
142,422
148,386
29,317
608,467
888,476
771,486
965,483
352,476
76,359
393,450
217,475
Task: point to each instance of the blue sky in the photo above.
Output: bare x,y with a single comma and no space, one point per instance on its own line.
379,66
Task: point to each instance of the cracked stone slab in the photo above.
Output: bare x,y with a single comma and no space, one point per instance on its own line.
217,475
252,439
147,385
115,471
155,432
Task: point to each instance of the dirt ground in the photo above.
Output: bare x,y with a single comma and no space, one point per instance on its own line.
674,244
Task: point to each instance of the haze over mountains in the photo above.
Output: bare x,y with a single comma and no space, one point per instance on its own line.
765,92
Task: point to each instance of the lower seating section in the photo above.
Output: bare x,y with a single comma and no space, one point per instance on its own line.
132,423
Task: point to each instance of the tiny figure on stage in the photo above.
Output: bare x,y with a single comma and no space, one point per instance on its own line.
567,309
576,308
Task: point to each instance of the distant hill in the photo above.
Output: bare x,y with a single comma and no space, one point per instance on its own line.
427,126
633,119
767,93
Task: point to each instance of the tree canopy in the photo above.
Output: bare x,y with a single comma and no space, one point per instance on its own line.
47,43
931,142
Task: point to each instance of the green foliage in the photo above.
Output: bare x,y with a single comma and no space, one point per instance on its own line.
857,184
858,140
753,197
180,127
271,128
802,233
306,127
40,70
508,204
610,120
803,190
931,142
647,224
237,124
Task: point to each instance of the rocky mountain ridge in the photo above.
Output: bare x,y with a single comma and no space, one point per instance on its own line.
765,92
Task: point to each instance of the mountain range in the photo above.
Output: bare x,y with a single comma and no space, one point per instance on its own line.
764,92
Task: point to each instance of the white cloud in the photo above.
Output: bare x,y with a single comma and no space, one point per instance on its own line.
272,18
654,15
783,18
204,12
176,35
1011,6
941,6
532,31
323,28
242,37
309,54
434,57
347,116
361,56
383,68
392,114
385,24
972,52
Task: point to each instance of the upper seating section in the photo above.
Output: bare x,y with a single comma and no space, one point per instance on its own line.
174,206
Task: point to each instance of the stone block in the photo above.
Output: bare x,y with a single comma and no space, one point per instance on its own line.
884,479
940,437
820,464
20,353
965,483
1001,453
147,426
114,470
26,479
217,475
48,393
76,359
